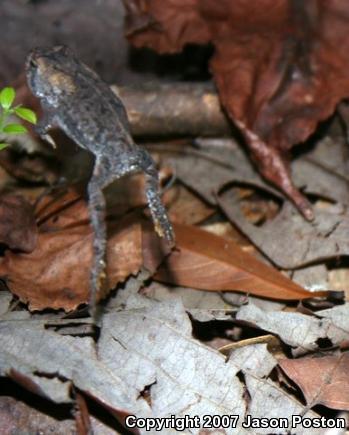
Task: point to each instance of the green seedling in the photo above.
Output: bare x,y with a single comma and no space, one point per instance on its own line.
7,97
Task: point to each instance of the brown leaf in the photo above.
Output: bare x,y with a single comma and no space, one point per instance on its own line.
187,208
30,168
18,229
166,27
82,416
323,381
56,274
17,416
208,262
280,67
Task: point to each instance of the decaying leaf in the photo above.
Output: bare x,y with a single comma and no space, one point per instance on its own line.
18,417
323,170
18,229
323,380
37,168
208,262
186,208
268,400
313,277
254,359
28,414
202,305
213,163
36,353
146,364
154,347
289,241
305,333
280,67
5,300
191,380
56,274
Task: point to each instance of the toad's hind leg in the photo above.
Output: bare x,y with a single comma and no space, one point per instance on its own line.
158,212
96,205
104,173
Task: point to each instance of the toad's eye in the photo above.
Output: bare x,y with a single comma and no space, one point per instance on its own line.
33,64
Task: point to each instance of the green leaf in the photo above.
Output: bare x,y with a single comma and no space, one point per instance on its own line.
14,129
7,95
3,145
26,114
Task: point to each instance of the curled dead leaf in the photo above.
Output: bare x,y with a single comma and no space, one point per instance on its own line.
280,67
56,274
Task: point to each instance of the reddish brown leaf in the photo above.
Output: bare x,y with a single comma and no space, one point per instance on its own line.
187,208
208,262
165,26
56,274
30,168
280,66
82,416
322,380
18,228
18,417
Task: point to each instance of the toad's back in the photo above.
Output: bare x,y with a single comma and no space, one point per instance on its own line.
82,104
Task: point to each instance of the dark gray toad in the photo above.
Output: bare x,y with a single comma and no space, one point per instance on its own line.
76,100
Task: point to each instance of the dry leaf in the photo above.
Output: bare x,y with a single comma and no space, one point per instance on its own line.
82,416
17,417
5,301
208,262
323,380
213,163
269,401
135,349
38,354
305,333
187,208
153,346
146,355
18,229
56,274
254,359
280,67
313,277
288,240
37,168
202,305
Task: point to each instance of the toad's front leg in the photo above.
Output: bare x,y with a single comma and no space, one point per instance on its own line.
45,123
